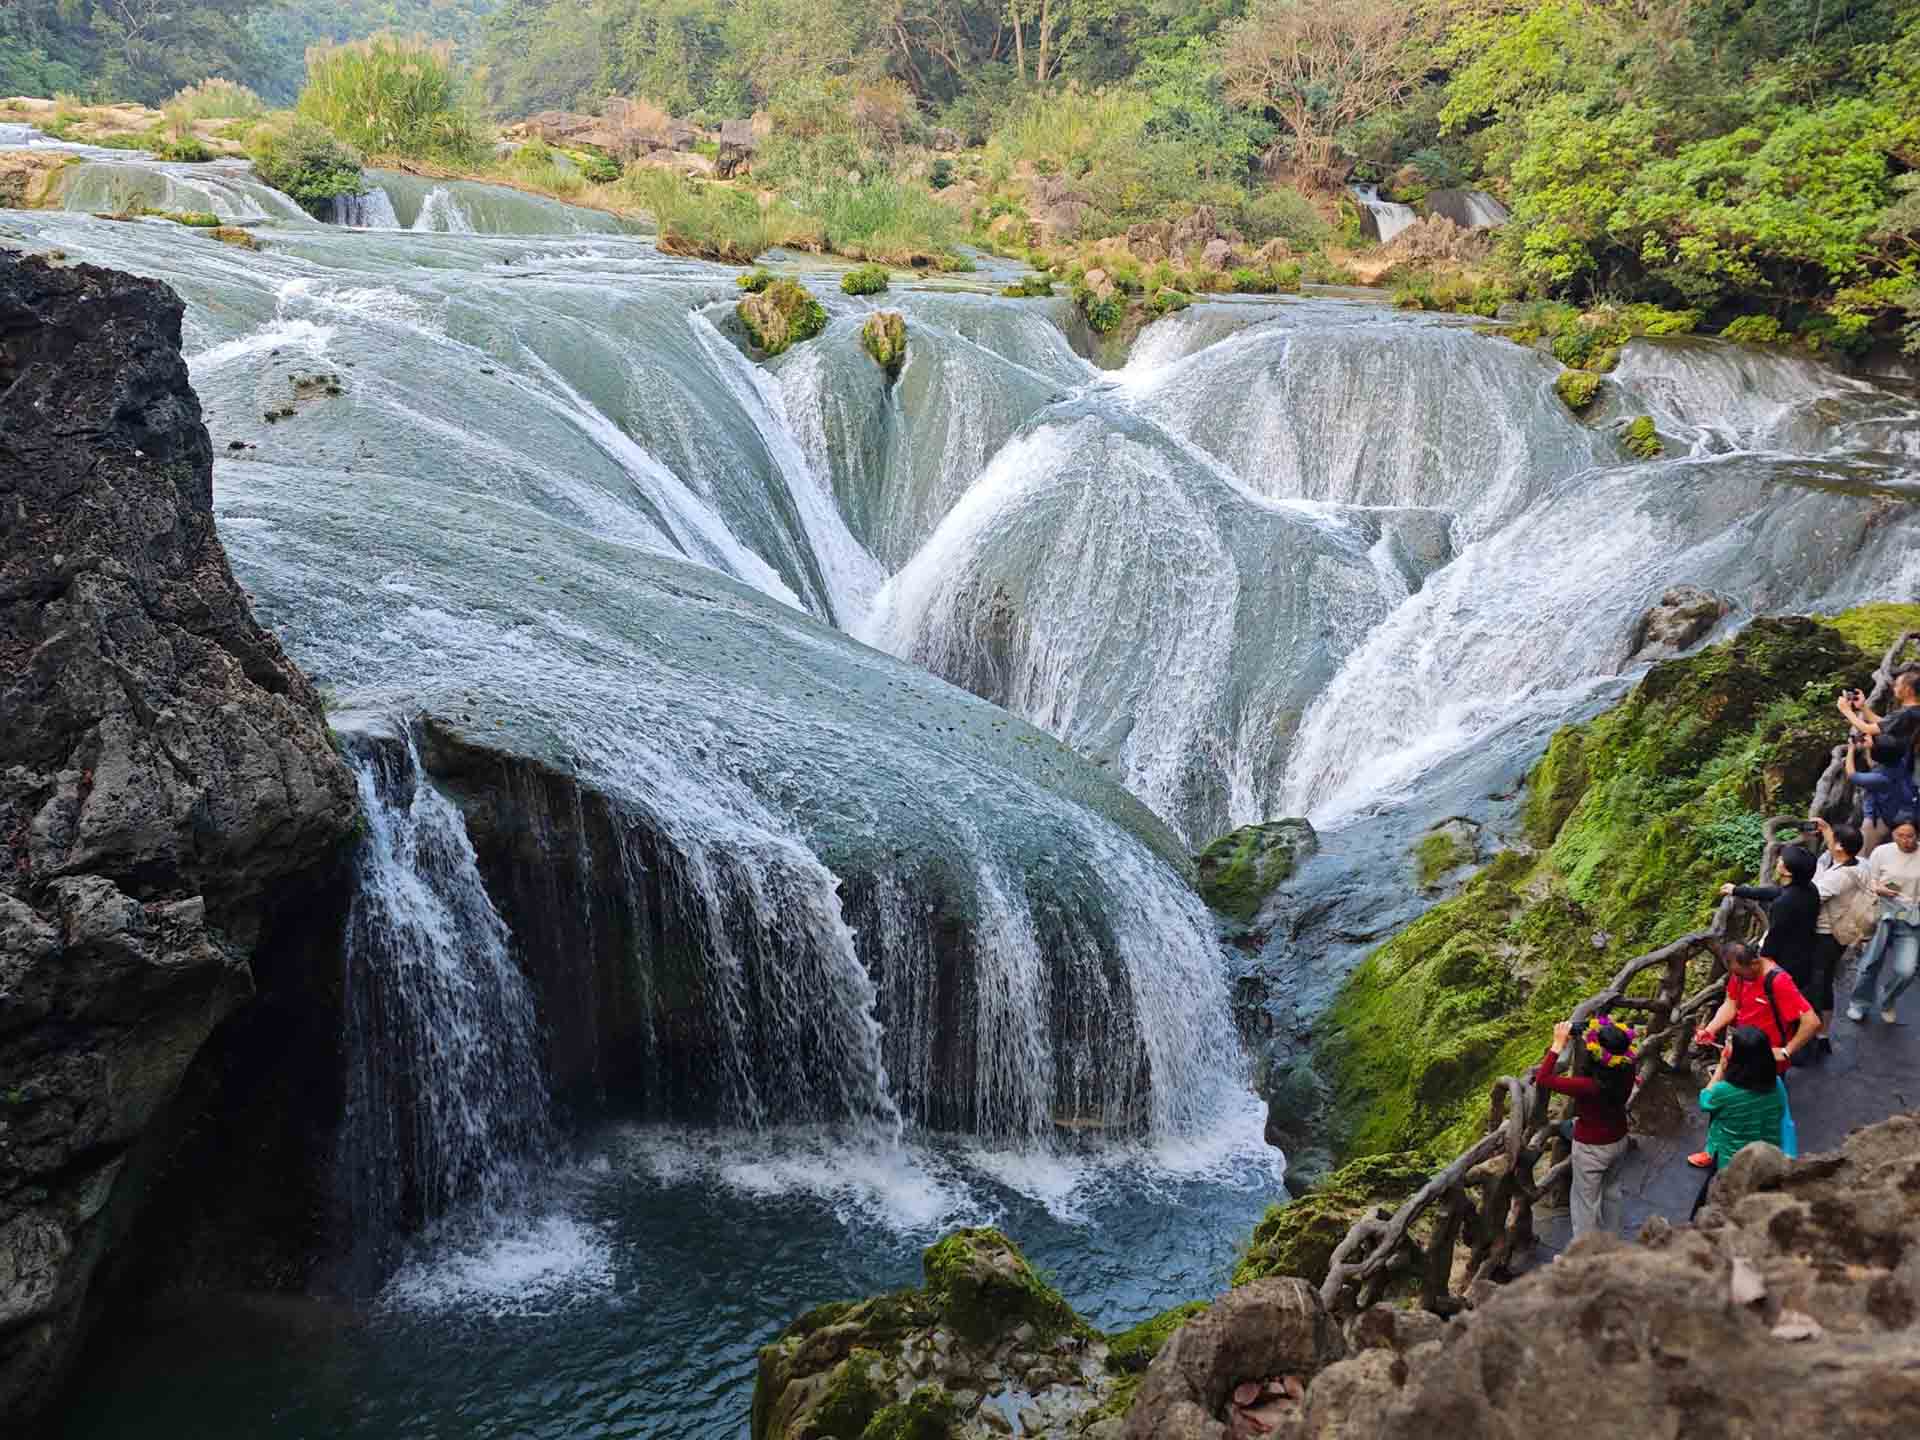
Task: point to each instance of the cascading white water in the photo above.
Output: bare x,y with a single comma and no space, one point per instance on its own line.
446,1091
372,210
1389,217
442,213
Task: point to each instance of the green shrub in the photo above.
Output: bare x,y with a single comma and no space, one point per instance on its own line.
781,316
183,150
1029,286
884,337
595,168
1577,388
940,175
1281,214
883,220
1247,281
715,222
1286,276
304,160
754,281
1167,300
864,280
1104,312
1754,330
391,95
1642,440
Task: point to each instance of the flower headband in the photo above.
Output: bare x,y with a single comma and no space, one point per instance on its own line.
1605,1056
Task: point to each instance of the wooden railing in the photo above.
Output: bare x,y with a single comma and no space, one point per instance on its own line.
1486,1197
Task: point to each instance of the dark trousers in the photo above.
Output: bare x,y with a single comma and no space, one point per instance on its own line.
1706,1185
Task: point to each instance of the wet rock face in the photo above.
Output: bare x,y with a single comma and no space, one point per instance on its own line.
1241,869
1680,621
165,777
1790,1310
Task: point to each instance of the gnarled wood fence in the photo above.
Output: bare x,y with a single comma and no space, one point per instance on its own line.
1485,1198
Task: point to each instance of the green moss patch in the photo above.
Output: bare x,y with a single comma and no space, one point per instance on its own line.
1642,440
864,280
781,316
1577,389
884,337
1298,1238
1131,1351
983,1287
927,1414
1028,287
854,1397
1642,813
754,281
1238,871
1439,853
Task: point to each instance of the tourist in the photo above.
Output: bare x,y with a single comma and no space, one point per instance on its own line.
1893,872
1744,1101
1849,912
1793,914
1762,995
1599,1117
1902,725
1883,774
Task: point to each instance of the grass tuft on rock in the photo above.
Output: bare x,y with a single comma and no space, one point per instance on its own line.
305,161
1131,1351
1028,287
1238,871
864,280
1577,389
782,316
1642,440
884,337
984,1288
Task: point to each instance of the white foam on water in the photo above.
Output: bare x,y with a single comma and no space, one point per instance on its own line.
511,1265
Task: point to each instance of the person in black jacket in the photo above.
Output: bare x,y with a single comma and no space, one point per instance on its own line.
1793,914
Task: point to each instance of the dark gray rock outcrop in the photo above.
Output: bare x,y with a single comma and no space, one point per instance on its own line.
166,782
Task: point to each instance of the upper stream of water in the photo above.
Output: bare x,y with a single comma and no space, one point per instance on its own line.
1302,555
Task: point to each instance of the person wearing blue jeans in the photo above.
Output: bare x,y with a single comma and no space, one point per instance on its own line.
1894,875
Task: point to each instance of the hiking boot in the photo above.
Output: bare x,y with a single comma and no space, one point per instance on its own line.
1856,1014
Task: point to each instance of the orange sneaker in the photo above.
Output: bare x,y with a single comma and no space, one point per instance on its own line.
1700,1161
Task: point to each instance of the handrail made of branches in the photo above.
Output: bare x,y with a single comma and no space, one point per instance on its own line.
1488,1192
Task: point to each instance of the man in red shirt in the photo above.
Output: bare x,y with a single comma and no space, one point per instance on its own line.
1760,994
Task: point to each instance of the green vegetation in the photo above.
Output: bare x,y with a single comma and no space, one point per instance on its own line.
1167,301
864,280
1298,1238
304,160
1440,852
1029,286
287,29
1639,816
1642,440
754,281
884,337
1240,869
1754,330
214,99
124,49
1131,1351
714,222
781,316
1577,388
983,1288
390,95
927,1414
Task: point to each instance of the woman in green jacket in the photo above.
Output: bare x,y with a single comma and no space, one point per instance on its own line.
1743,1101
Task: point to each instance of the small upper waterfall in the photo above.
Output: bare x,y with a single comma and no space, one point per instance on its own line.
446,1090
1389,217
371,210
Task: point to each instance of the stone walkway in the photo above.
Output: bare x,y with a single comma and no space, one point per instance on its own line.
1874,1072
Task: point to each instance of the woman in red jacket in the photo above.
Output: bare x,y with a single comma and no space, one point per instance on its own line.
1599,1116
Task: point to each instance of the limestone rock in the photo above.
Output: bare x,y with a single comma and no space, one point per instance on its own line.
164,773
1684,617
1268,1328
1649,1337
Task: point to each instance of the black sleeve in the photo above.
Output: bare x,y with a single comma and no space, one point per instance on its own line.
1768,893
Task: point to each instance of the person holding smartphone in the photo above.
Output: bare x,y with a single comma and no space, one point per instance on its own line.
1883,774
1902,724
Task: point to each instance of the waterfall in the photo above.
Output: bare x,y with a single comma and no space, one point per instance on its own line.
446,1091
372,210
441,212
1389,218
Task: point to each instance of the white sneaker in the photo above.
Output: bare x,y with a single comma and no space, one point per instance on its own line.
1889,1017
1856,1014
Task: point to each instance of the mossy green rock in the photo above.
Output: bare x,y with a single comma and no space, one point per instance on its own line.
884,336
1639,815
983,1287
1131,1351
927,1414
1576,388
1642,440
864,280
1238,871
1299,1237
781,316
1442,850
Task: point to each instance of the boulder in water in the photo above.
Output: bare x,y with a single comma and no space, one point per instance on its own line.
1682,619
1239,870
884,337
167,785
1577,389
781,316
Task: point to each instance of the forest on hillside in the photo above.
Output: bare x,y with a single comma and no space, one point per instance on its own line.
1716,156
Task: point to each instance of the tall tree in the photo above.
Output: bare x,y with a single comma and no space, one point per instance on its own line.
1319,67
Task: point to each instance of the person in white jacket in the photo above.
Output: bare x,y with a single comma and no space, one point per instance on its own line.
1849,911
